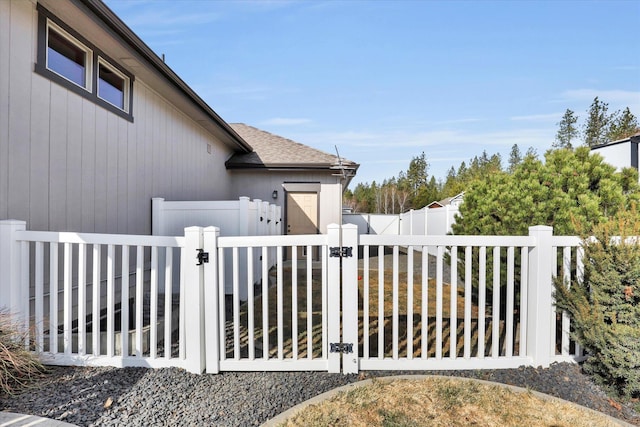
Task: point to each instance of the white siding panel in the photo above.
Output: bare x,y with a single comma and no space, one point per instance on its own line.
74,162
5,31
58,158
122,176
100,191
88,165
39,170
68,164
112,172
21,40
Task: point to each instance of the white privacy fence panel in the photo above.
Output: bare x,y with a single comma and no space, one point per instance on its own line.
432,222
243,217
96,299
373,223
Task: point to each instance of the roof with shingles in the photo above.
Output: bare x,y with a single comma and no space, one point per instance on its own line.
273,151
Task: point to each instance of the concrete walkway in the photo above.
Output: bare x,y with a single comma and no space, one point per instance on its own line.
9,419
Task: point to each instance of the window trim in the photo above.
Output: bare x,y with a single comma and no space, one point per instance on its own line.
88,65
126,83
47,20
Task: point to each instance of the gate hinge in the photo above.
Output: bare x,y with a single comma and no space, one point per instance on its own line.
339,347
341,252
202,257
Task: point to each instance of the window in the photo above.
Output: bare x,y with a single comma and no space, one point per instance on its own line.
67,58
113,86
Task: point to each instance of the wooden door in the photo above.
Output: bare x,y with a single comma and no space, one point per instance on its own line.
302,215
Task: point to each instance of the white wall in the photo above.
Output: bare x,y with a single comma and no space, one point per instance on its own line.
618,155
261,184
68,164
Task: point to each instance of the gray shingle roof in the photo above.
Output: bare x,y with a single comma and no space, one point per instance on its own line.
273,151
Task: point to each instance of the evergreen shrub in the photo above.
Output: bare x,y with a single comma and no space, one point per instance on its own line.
604,304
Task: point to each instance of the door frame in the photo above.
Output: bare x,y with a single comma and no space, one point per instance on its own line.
300,187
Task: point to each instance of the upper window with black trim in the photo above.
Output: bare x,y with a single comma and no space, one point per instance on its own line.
68,57
65,57
112,85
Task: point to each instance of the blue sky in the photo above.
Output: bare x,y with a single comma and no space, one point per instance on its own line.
387,80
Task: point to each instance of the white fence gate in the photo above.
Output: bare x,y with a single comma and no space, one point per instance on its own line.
335,302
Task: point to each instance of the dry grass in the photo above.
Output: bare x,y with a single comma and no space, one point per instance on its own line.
442,402
18,366
374,325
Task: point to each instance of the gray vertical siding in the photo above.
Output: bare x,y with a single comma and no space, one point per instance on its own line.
69,164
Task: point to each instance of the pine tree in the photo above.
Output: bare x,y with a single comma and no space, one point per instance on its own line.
515,157
596,128
623,125
567,130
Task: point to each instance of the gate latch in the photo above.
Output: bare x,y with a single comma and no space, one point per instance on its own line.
202,257
341,252
339,347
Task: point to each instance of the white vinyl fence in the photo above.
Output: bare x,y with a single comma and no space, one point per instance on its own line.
336,302
242,217
432,222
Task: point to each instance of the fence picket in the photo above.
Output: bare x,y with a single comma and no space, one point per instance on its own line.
294,302
425,307
280,304
495,305
139,297
39,296
439,293
453,305
410,300
95,309
309,303
482,289
250,301
265,304
110,301
124,301
468,264
153,309
394,300
510,301
67,298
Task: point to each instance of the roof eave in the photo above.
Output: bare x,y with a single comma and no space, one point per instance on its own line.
102,12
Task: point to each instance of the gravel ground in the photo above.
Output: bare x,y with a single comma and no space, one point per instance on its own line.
146,397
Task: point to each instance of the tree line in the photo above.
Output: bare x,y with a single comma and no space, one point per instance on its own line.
414,187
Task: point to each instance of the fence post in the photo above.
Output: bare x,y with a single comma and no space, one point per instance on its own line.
243,217
211,303
157,216
333,297
539,297
192,283
350,298
11,292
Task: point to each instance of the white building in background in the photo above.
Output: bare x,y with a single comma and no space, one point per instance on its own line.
622,153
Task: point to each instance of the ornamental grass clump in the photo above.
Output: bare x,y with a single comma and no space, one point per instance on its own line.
18,366
604,305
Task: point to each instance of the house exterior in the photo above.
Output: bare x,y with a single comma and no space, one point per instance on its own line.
622,153
453,202
93,125
308,181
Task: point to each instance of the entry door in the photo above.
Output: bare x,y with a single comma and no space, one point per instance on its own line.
302,215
